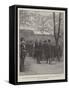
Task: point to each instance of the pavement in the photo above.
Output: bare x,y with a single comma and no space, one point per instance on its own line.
32,68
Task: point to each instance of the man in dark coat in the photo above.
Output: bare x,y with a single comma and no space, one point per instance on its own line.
45,50
49,52
37,51
22,54
40,50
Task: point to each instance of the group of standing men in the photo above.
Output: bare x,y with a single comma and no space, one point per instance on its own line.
42,51
39,50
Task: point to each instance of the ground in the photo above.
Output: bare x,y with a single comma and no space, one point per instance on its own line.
32,68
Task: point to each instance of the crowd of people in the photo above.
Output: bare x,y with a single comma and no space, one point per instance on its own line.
39,50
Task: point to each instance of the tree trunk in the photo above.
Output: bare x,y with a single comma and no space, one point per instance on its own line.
57,35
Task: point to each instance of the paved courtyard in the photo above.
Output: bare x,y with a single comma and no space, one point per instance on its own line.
32,68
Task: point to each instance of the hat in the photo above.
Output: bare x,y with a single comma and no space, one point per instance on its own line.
49,40
22,39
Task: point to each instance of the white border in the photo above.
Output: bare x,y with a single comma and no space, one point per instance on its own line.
26,78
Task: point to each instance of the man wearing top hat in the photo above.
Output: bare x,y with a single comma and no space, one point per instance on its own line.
22,54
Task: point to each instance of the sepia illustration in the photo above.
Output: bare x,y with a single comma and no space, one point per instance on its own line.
41,43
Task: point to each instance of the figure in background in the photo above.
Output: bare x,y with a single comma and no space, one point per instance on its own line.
40,51
45,51
37,51
49,52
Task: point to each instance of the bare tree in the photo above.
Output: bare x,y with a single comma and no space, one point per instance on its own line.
57,35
